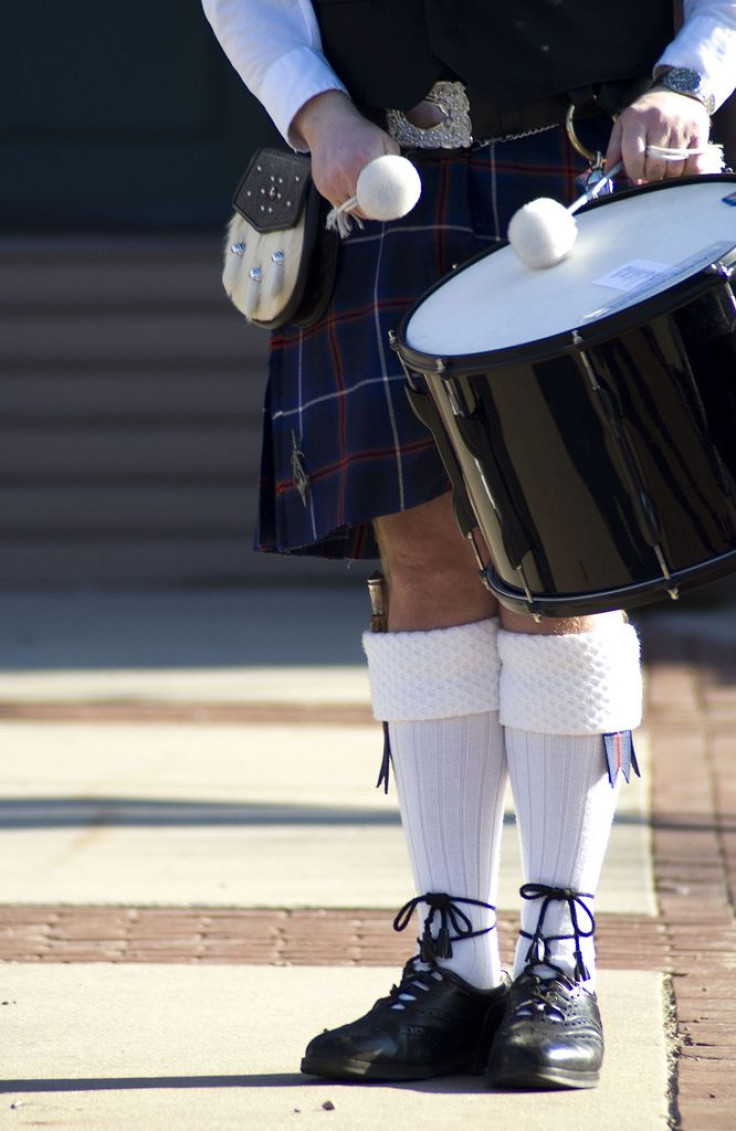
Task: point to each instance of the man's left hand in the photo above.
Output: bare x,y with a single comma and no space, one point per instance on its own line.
666,119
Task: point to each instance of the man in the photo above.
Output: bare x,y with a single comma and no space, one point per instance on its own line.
469,690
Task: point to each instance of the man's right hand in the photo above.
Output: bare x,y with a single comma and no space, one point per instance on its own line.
341,143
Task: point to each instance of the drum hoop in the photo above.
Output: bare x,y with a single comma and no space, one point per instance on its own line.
625,597
570,341
577,337
657,186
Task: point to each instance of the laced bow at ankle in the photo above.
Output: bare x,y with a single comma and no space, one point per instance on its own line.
444,907
538,953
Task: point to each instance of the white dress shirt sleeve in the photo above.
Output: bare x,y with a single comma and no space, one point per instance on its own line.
276,49
706,43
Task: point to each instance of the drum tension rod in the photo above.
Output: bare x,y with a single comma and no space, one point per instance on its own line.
536,617
674,592
729,292
393,342
582,353
478,556
483,573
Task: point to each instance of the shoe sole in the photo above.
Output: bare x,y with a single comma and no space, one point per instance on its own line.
366,1070
541,1080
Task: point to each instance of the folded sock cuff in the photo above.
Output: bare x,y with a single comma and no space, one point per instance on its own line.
587,683
439,674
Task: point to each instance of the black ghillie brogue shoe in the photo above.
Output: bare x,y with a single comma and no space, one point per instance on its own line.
550,1037
433,1023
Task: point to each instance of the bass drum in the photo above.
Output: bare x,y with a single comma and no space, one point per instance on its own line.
586,412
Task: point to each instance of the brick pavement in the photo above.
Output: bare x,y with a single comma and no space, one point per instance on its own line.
691,716
42,933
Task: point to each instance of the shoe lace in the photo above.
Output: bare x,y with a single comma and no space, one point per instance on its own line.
416,977
540,995
422,971
445,907
539,950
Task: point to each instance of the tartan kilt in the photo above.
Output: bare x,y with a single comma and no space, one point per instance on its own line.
341,445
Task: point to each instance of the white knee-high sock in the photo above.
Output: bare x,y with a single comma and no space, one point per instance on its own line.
438,690
559,695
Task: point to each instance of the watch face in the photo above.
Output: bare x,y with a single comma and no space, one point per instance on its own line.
683,80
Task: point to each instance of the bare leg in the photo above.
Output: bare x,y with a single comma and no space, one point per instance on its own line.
433,577
431,570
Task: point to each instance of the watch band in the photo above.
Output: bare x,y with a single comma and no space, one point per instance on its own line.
684,80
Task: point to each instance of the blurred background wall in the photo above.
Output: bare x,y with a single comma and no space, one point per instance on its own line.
129,390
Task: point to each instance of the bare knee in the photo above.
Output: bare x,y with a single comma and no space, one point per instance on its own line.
431,569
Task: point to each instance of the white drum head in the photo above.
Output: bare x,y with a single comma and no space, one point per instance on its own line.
627,251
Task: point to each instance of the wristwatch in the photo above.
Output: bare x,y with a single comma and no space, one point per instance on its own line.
684,80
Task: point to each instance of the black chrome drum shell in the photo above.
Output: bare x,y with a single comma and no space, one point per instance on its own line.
600,465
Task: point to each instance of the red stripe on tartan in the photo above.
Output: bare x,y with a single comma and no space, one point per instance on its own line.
567,168
618,750
368,456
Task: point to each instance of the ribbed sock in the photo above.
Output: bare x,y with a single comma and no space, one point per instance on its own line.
450,776
558,696
438,690
564,808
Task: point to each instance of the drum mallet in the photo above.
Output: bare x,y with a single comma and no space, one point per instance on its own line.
543,231
388,187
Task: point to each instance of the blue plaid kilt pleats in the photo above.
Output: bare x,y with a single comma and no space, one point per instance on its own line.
341,445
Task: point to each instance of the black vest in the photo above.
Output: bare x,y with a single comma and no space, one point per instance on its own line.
390,52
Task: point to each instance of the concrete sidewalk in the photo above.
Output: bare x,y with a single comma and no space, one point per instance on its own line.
115,1047
186,898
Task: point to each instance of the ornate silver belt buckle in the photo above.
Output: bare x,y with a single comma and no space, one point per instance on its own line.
453,132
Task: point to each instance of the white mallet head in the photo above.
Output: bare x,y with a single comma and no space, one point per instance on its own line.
542,232
388,188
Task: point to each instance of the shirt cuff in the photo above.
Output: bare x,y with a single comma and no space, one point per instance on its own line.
706,46
290,82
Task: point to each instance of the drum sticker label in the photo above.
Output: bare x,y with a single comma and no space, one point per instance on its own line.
634,275
730,199
640,278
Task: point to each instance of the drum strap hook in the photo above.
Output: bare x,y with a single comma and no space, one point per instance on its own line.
595,160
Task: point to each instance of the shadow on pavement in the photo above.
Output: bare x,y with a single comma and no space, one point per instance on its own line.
447,1084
